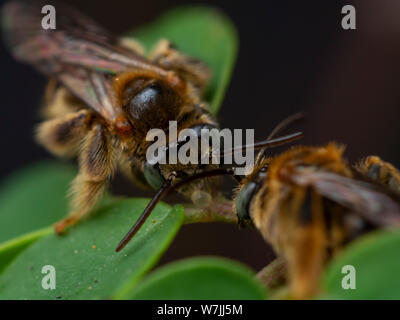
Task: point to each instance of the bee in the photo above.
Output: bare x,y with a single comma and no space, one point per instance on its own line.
309,203
103,98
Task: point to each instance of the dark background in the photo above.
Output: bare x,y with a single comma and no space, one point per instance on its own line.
293,56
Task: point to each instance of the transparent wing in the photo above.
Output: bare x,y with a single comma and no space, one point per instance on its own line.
78,53
371,201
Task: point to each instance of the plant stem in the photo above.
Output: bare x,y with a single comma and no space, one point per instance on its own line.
274,274
220,210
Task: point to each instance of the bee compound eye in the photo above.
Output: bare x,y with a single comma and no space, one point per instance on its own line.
243,201
153,175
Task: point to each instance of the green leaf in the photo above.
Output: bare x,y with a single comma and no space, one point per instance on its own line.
10,249
200,279
87,266
33,198
376,264
201,32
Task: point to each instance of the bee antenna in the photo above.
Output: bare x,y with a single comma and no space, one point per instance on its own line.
284,124
269,143
165,188
264,144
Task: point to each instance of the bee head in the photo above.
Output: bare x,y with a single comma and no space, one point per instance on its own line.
198,191
164,177
246,192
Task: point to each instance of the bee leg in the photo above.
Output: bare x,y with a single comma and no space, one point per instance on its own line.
194,70
132,44
62,136
306,247
50,91
96,166
58,101
380,171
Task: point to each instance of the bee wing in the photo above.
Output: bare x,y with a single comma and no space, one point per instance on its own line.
371,201
78,53
93,88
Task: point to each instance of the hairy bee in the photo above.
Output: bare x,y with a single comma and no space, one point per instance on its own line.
308,202
103,98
